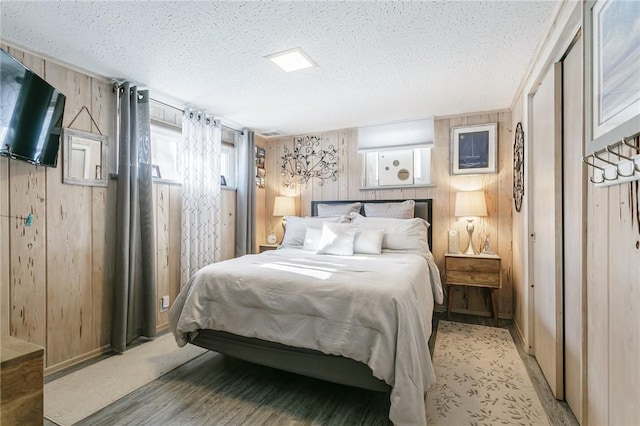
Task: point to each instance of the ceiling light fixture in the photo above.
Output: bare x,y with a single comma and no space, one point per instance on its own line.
291,60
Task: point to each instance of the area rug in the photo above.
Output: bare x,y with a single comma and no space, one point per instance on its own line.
481,379
75,396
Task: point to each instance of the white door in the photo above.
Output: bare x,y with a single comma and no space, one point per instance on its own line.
574,226
546,219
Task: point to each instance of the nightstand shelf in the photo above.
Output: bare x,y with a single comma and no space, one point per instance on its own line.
266,247
483,270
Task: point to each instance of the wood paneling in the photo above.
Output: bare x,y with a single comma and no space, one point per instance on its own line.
624,316
175,238
69,238
497,187
27,264
161,203
228,220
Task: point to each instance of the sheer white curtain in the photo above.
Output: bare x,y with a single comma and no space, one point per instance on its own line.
201,228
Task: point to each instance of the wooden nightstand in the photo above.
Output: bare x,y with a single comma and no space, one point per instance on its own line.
482,270
22,382
266,247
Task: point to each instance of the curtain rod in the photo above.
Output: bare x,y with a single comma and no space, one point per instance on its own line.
166,104
119,83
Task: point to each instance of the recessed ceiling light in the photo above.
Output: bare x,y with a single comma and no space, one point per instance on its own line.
291,60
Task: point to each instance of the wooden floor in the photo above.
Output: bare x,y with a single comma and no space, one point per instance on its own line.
218,390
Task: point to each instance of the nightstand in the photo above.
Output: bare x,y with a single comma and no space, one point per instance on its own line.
266,247
482,270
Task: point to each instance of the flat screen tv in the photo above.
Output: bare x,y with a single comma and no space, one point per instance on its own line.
30,114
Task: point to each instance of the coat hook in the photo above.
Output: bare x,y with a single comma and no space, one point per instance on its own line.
633,170
604,174
585,159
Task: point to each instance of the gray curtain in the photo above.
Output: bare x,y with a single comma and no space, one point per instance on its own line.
134,298
246,195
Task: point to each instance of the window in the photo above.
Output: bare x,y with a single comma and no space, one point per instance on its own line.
228,156
397,168
165,151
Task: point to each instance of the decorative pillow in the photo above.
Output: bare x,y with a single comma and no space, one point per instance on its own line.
368,241
403,210
325,210
399,234
312,239
297,228
337,238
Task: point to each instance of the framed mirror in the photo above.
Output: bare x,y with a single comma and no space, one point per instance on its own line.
84,158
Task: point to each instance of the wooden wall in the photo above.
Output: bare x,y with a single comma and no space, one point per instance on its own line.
56,276
497,187
613,295
57,281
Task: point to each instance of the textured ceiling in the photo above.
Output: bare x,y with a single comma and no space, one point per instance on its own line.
377,62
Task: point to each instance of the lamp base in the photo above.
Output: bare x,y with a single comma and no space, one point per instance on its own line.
470,228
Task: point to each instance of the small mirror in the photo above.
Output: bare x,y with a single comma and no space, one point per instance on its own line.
84,158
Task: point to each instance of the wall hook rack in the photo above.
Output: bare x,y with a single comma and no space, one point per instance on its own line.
625,169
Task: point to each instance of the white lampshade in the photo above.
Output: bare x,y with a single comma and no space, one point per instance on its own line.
470,203
284,206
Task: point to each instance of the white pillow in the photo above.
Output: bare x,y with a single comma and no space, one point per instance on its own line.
403,210
337,238
325,210
312,239
368,241
296,228
399,234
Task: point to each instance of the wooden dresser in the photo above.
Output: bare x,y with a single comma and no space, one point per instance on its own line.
482,270
21,382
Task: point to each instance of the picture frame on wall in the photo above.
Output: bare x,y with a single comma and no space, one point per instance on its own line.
474,149
612,66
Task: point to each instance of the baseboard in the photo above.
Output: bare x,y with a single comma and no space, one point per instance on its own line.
77,360
525,346
89,356
162,328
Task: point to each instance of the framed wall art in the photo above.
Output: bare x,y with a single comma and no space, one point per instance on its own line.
474,149
518,167
612,66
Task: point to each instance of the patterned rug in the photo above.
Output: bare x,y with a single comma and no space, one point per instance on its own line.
481,379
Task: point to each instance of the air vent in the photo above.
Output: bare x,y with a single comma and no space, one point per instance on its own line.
271,133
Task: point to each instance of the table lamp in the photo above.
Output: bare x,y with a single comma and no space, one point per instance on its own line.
470,204
284,206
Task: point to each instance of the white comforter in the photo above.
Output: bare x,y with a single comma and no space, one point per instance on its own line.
374,309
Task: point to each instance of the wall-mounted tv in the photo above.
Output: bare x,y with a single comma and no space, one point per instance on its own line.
30,114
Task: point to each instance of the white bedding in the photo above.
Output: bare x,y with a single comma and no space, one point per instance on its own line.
375,309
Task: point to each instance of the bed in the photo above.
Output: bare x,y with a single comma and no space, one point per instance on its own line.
362,320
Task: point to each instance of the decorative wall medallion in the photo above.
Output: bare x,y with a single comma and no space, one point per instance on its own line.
308,160
518,167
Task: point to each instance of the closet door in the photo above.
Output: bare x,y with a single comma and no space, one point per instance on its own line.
575,227
546,220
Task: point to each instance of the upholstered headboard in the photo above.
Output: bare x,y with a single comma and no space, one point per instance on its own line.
423,209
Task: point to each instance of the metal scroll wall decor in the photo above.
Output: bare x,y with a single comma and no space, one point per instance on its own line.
308,160
518,167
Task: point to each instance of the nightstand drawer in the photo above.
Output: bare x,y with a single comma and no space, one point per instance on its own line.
472,264
472,278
